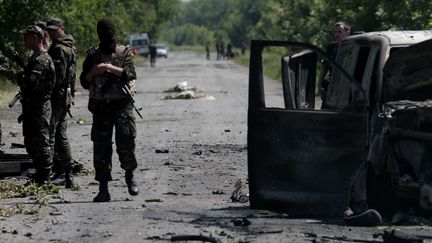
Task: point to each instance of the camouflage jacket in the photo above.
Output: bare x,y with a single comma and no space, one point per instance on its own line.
63,53
108,87
39,77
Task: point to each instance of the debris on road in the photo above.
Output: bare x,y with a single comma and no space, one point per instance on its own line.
199,152
240,192
194,238
12,190
16,209
153,200
183,91
186,95
171,193
17,145
80,121
161,151
182,86
217,192
241,222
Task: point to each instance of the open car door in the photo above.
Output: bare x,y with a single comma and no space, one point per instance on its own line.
300,159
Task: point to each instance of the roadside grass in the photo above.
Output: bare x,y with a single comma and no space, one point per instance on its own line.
7,91
271,58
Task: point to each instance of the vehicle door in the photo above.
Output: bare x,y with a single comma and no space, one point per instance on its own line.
300,158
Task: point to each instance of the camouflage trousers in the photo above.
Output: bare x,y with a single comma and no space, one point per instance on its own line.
106,117
36,119
62,157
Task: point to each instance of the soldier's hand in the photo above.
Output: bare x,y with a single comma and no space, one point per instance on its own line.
102,68
132,86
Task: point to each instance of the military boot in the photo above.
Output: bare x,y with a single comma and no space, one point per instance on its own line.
42,177
69,179
103,195
131,184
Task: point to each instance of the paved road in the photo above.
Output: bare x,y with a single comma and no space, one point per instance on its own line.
184,191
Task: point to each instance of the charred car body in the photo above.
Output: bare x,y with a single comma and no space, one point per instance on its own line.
301,158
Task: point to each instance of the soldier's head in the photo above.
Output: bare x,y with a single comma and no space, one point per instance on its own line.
33,36
342,31
43,25
106,31
55,28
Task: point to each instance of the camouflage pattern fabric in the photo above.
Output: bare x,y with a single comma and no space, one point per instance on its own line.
111,110
36,88
108,87
63,54
105,117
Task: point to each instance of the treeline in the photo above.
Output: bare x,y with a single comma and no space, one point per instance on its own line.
81,16
238,21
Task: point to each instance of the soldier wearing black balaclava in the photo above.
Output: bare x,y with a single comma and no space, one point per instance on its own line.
105,71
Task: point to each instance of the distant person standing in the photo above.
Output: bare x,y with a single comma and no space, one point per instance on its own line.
219,50
36,87
152,49
341,31
63,53
229,52
207,48
243,48
106,72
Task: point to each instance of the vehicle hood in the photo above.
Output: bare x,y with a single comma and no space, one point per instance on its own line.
407,74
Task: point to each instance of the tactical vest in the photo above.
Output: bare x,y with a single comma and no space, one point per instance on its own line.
108,87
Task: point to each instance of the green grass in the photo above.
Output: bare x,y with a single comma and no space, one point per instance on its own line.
271,62
7,92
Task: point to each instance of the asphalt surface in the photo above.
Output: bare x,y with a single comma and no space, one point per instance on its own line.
190,153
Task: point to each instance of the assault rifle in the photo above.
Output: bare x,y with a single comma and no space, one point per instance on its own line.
125,89
17,59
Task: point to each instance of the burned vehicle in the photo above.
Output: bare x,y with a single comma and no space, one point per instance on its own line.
301,158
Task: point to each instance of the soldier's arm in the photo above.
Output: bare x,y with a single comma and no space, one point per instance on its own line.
129,66
126,72
87,73
36,82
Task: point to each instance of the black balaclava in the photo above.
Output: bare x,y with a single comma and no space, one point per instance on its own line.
106,30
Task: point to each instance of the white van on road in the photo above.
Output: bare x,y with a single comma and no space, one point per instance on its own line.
139,43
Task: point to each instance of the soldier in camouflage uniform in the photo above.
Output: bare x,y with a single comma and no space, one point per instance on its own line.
36,86
63,53
105,71
43,26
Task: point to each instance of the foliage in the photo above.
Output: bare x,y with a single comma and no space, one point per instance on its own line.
80,18
11,190
239,21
